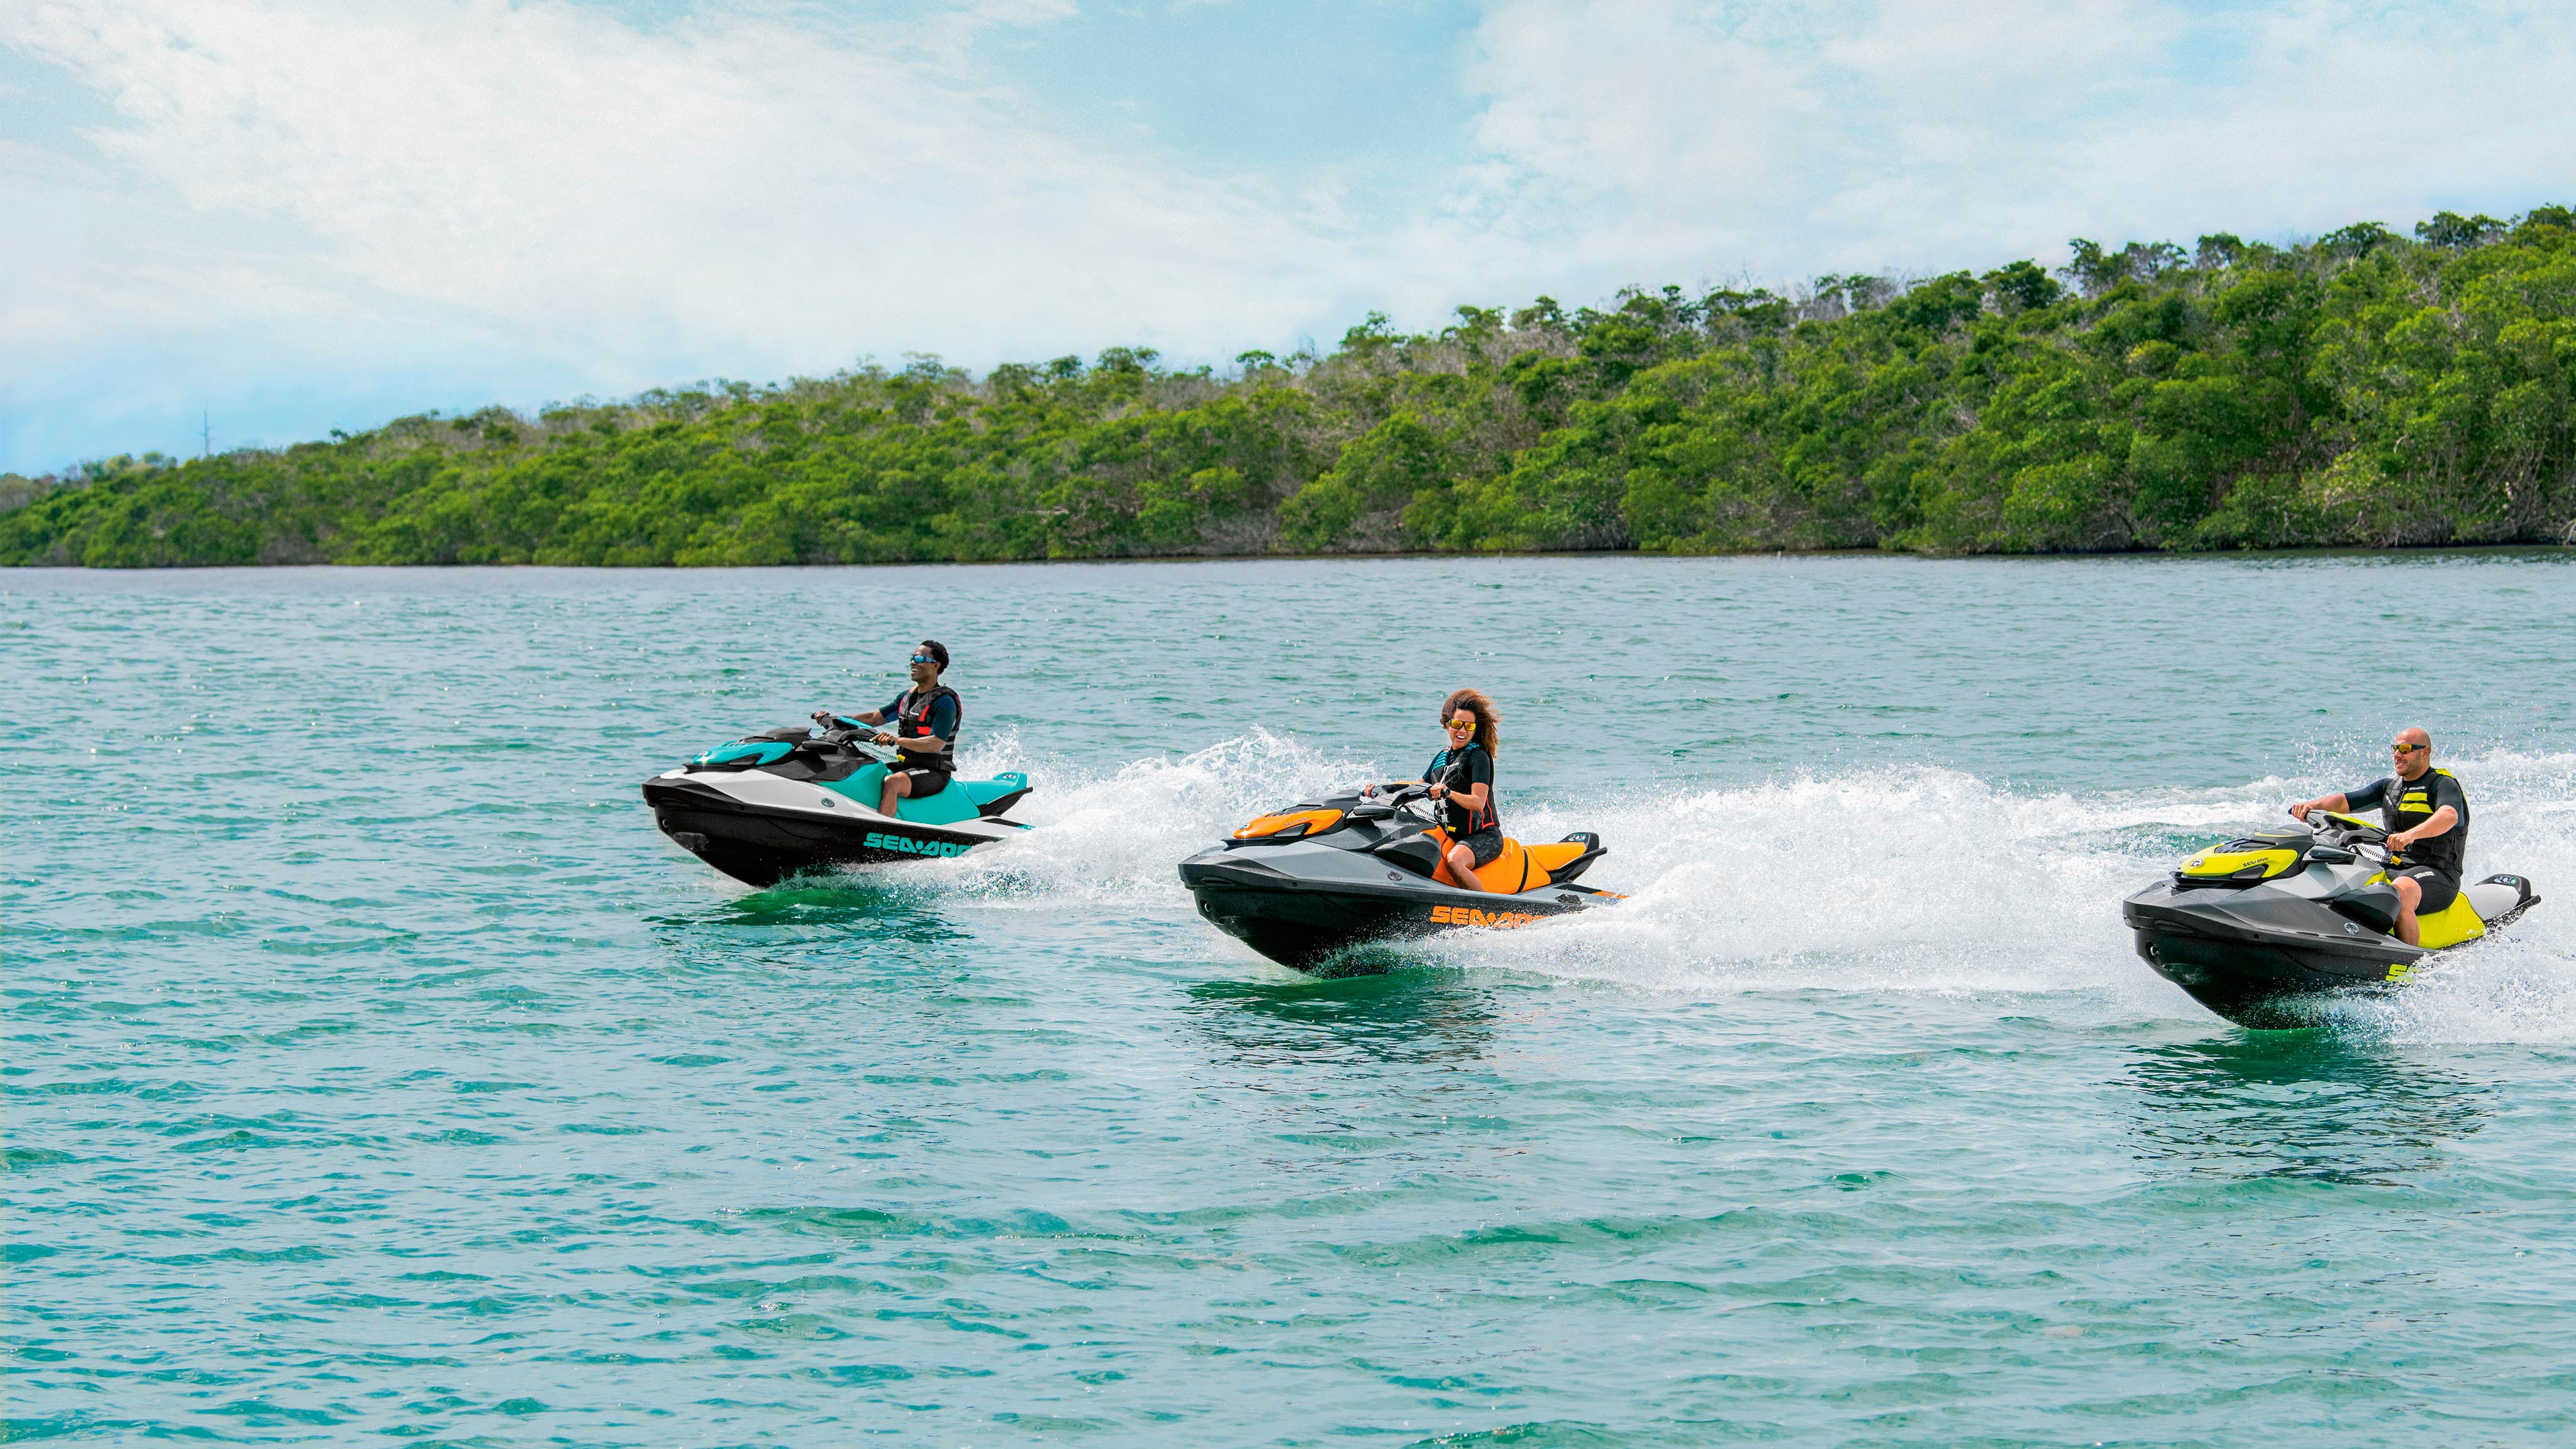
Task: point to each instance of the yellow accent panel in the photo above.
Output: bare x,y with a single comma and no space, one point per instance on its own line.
2221,863
1316,822
2455,923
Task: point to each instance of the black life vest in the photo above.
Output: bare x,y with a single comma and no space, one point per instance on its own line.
1458,778
912,722
2412,802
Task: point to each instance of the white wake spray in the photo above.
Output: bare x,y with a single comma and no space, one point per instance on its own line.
1894,880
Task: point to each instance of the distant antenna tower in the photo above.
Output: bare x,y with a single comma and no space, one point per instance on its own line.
206,434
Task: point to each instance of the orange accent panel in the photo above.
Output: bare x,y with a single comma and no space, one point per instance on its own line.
1316,821
1511,872
1549,857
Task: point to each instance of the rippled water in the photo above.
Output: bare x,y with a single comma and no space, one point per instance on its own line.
375,1070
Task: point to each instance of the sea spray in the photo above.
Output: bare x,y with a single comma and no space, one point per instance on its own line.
1887,880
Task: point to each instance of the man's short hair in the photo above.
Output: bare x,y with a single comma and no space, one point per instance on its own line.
938,651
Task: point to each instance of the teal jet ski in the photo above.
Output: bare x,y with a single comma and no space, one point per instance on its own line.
769,805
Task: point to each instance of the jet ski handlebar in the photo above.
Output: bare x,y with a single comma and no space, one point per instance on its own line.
2365,840
1384,802
861,738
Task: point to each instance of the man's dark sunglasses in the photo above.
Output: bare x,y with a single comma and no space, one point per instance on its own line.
925,659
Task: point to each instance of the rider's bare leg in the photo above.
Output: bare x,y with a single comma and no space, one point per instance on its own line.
897,787
2409,891
1462,868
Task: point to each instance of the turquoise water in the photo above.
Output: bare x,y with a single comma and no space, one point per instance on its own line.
376,1073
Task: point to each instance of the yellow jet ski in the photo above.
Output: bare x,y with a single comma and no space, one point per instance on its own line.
2259,925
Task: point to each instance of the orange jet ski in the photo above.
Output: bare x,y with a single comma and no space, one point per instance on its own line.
1300,884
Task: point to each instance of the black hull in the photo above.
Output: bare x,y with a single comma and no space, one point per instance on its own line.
2261,963
2265,987
761,847
1305,927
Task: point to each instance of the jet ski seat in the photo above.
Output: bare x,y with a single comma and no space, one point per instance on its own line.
1526,867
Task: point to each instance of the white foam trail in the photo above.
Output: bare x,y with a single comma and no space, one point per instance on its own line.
1896,880
1116,837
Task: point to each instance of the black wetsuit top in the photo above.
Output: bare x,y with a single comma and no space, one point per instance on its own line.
2405,804
1461,771
915,715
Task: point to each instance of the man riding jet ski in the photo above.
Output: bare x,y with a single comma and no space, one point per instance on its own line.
2250,927
772,804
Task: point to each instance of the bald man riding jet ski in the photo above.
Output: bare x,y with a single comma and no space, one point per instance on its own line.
2261,928
2428,829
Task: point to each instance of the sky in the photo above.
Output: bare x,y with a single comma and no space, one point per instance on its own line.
231,223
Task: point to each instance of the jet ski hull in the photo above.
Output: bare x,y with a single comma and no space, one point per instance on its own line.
2262,958
1303,923
761,844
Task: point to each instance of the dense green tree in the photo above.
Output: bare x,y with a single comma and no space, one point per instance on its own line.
2367,388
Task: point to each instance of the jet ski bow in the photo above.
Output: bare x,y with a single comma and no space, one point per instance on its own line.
2259,927
769,805
1302,883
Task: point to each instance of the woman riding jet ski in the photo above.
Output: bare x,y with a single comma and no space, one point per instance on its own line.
2250,927
1301,883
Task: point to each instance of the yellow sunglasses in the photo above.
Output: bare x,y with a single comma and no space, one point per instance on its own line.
1456,725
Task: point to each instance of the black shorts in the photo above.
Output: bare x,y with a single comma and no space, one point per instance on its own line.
925,783
2439,889
1484,845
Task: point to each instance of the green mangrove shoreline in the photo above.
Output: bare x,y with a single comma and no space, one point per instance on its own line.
2364,390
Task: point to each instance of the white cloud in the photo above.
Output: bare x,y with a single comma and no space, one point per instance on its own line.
537,196
325,211
1940,134
734,177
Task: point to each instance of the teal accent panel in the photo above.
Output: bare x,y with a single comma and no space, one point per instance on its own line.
867,783
985,792
759,752
947,807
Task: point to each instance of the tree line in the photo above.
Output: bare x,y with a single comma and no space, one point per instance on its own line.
2363,389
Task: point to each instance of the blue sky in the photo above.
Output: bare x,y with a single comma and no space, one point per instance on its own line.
286,216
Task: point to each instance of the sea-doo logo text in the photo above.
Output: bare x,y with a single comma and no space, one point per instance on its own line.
1470,916
880,841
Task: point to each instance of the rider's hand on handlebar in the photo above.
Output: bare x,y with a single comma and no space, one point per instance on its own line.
1436,791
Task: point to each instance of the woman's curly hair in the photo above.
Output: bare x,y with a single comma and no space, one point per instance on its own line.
1489,720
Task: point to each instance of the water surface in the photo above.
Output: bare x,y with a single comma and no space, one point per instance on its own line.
375,1072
